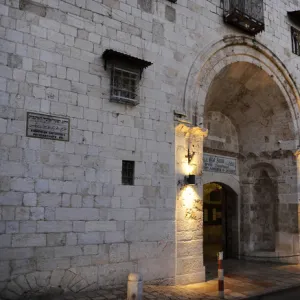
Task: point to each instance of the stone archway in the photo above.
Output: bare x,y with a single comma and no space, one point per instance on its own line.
50,283
214,57
238,83
249,118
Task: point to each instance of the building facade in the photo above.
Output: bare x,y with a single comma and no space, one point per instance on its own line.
115,115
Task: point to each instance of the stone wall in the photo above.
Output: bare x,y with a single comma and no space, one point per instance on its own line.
276,191
189,206
63,208
222,133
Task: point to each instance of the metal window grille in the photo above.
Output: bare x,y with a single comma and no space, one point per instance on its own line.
252,8
295,40
124,86
127,172
232,4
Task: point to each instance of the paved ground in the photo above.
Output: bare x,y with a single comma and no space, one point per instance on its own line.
243,279
290,294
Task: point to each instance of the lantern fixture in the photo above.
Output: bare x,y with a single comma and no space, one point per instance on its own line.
190,180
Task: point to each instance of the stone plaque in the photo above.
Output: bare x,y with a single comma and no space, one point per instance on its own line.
219,164
47,127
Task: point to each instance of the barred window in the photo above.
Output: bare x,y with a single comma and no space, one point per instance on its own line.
195,120
124,85
127,172
295,40
126,72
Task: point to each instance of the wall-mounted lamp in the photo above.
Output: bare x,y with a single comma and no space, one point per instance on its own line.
190,179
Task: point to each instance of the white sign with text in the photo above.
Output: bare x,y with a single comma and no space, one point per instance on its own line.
219,164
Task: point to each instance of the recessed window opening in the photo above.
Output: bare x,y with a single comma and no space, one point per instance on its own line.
295,40
124,84
127,172
126,73
33,7
195,120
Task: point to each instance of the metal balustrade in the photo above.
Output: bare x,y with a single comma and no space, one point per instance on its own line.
248,15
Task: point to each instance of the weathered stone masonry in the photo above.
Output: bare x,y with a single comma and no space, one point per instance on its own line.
65,218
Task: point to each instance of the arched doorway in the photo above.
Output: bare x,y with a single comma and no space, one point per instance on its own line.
220,222
247,100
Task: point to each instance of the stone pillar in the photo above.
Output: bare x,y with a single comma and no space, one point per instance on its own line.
296,206
189,212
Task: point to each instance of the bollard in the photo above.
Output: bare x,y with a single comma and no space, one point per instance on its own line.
221,275
135,287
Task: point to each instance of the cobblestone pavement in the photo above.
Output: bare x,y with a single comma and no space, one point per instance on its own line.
242,280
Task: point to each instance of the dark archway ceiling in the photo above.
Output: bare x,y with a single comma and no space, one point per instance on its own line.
253,102
244,92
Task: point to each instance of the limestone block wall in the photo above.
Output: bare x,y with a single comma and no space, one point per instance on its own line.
222,135
63,208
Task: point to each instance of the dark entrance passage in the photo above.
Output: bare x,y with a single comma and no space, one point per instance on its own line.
220,223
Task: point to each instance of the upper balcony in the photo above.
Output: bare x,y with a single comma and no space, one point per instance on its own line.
248,15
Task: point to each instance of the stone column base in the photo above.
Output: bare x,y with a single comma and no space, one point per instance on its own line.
191,278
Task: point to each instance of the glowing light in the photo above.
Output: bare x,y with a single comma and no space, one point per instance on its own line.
189,169
189,195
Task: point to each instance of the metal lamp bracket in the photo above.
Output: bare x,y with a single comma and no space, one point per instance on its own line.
190,156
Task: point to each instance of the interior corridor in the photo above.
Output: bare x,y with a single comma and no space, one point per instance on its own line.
220,224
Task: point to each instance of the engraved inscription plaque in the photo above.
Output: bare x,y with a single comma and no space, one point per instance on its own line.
47,127
219,164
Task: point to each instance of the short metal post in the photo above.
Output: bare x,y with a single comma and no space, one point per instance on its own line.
135,287
221,275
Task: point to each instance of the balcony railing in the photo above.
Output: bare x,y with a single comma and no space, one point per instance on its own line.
248,15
